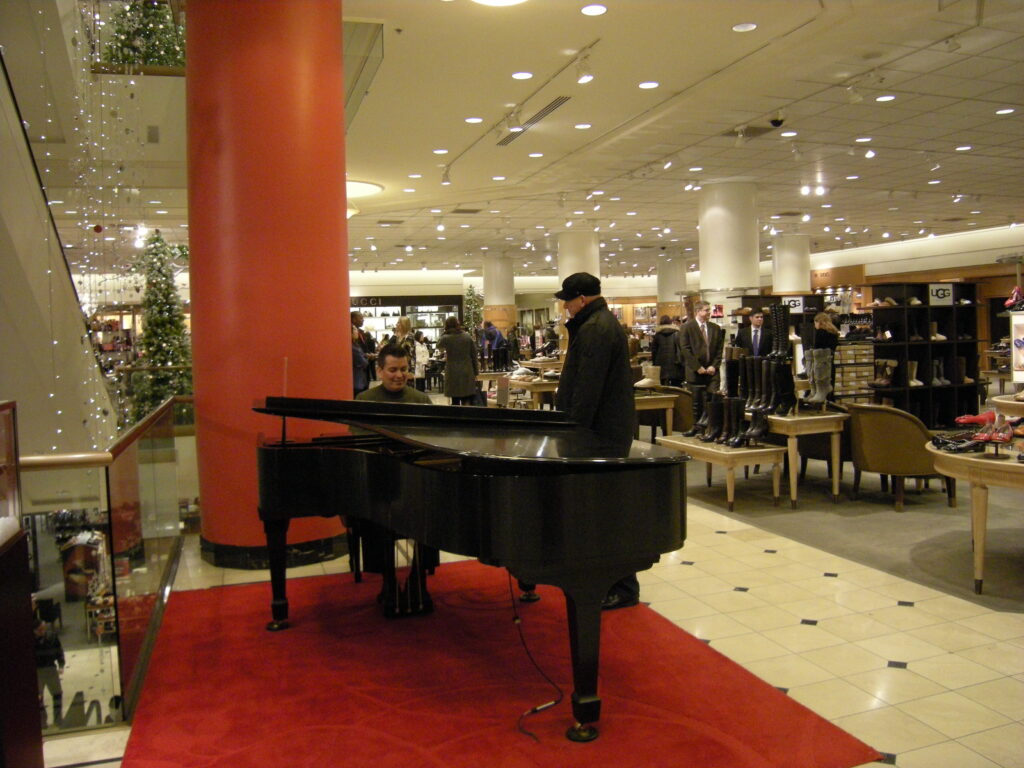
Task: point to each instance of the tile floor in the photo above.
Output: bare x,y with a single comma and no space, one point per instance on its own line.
931,680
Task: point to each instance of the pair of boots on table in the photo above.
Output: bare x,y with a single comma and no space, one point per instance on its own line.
885,373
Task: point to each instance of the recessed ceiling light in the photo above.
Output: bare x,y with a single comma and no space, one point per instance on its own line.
408,189
474,119
156,202
648,84
440,151
788,134
71,213
852,178
497,178
1005,111
747,26
536,154
415,175
885,97
964,148
361,188
498,3
594,9
582,126
696,169
863,139
522,75
161,211
935,181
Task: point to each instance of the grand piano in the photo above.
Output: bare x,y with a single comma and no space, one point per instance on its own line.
524,490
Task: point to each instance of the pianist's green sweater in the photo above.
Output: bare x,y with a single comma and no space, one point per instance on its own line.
407,395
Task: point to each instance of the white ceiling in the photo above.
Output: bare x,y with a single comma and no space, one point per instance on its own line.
951,64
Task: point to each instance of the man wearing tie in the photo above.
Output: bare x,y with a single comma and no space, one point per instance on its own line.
701,342
754,338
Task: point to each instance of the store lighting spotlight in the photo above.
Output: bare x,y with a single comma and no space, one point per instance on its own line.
741,136
869,154
667,164
819,190
445,178
951,45
583,73
515,125
853,95
805,190
440,224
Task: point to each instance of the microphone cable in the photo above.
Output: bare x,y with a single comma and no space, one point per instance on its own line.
559,694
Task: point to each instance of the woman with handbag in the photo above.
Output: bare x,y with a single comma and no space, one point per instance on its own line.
461,365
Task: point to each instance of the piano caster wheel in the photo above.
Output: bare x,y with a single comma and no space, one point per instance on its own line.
529,596
277,626
581,733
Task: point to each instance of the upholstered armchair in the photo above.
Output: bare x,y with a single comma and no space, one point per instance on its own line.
892,443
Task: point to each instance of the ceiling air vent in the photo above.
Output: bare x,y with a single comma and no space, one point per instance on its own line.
152,134
540,115
466,210
390,222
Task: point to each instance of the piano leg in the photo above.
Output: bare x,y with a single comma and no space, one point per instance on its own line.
277,534
583,610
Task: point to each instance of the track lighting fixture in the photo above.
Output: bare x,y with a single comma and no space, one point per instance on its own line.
515,125
445,178
741,136
952,44
853,95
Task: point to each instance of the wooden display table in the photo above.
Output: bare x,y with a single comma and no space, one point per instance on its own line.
664,402
1001,376
542,365
537,390
809,424
980,473
730,458
1008,407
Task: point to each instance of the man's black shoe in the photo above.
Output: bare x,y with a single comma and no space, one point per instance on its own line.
614,601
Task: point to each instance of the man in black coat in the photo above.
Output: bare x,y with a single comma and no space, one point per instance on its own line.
596,386
755,338
701,342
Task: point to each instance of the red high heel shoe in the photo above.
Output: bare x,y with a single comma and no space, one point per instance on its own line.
988,417
1002,434
985,435
1015,296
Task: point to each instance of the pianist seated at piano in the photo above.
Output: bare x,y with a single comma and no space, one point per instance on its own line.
394,370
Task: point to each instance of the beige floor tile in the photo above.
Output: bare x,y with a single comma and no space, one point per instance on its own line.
788,671
712,627
1007,658
953,671
781,593
733,601
650,576
87,748
835,698
900,646
890,730
704,585
948,754
951,608
1004,746
951,636
747,648
1005,696
337,565
238,576
660,591
904,617
907,590
845,659
802,637
682,608
869,577
816,608
855,626
1001,626
768,617
953,715
895,685
863,600
828,587
722,566
793,572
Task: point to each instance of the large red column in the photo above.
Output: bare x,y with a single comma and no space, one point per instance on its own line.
269,271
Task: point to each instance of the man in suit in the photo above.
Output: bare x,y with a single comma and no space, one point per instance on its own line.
701,342
755,338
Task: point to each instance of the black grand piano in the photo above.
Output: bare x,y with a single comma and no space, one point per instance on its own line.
523,490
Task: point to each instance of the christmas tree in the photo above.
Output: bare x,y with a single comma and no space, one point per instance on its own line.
164,342
473,309
144,33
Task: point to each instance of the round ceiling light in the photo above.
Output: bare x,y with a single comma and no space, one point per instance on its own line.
361,188
747,26
498,3
594,9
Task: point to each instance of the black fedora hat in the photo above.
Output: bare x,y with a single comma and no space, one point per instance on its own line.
579,284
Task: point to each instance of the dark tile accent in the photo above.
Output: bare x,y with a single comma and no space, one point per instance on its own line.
741,589
686,562
721,531
780,688
906,603
897,664
887,759
831,575
809,622
771,551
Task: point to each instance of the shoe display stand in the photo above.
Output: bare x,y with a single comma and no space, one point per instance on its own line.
925,349
853,371
425,313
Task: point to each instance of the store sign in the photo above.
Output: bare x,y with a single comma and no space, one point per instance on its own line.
940,294
795,304
366,301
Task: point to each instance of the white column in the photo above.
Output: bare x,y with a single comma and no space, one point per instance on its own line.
578,251
791,264
499,282
729,246
671,278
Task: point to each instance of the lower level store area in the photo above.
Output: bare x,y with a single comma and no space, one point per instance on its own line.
909,661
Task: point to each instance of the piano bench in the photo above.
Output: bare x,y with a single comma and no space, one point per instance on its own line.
730,458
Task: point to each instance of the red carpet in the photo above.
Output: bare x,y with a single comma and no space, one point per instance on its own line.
346,687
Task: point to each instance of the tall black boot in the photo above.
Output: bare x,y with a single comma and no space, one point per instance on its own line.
784,386
753,367
758,426
727,420
771,378
739,438
732,377
715,419
744,379
699,413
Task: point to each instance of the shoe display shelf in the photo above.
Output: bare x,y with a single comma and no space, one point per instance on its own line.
425,313
1017,342
853,372
926,349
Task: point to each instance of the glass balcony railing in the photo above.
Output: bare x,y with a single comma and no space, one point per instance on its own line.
105,531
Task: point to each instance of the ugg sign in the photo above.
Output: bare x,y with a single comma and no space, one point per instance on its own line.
940,294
